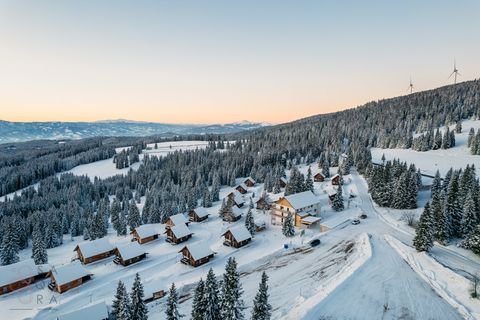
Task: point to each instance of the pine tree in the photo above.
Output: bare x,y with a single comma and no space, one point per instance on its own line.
122,224
453,208
469,219
472,241
9,247
337,203
39,248
326,168
262,310
121,303
172,312
288,229
423,240
250,222
309,180
139,310
232,304
440,218
198,306
134,219
211,298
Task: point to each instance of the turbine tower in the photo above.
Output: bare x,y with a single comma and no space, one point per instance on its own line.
410,87
455,72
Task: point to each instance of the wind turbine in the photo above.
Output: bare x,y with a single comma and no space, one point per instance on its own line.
455,72
410,87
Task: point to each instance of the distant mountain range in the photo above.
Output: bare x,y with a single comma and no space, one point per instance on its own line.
26,131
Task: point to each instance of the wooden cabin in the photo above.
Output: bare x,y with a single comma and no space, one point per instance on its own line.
336,180
198,214
144,233
299,205
237,236
249,182
263,203
68,277
91,251
236,198
129,254
232,215
176,220
260,226
153,290
242,188
178,234
97,311
196,254
21,274
283,182
319,177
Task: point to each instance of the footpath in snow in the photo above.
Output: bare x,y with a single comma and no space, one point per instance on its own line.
452,287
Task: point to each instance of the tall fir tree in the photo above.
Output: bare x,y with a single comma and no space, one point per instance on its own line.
139,310
441,233
39,248
198,305
172,312
250,222
134,219
423,240
211,298
9,247
232,304
121,303
288,228
469,219
309,180
262,310
337,203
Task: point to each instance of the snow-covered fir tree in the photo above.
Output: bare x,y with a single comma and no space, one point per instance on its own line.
39,248
309,180
211,296
232,304
199,303
262,309
121,303
172,312
139,310
250,222
423,240
337,202
472,242
9,246
288,229
469,218
134,219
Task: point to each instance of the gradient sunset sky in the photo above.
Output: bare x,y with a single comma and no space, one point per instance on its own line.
224,61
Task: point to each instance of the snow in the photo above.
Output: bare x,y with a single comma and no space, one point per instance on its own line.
69,272
452,287
94,247
430,161
180,231
236,211
131,250
19,271
302,200
240,233
146,230
199,250
97,311
178,219
311,219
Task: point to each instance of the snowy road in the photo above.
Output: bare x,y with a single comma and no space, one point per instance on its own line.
385,287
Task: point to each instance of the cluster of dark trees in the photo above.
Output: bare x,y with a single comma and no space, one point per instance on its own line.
394,184
128,156
221,300
474,141
452,212
129,306
430,141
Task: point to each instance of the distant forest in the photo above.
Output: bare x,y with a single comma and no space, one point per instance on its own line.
183,180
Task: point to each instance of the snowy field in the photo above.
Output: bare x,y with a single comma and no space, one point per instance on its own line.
354,261
431,161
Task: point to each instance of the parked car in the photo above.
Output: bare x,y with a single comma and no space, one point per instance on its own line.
315,242
356,221
363,216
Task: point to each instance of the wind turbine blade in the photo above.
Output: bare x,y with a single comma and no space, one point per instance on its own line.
451,75
458,73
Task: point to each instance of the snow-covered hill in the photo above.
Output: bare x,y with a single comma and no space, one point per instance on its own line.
25,131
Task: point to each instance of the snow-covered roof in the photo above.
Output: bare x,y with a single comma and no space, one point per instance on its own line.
131,250
199,250
310,219
302,199
69,272
20,271
243,185
180,231
335,175
97,311
236,211
240,233
178,219
319,173
237,196
201,212
92,248
146,230
284,179
153,286
251,179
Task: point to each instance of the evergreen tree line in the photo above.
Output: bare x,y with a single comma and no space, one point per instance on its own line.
394,184
430,141
474,141
452,212
221,300
128,156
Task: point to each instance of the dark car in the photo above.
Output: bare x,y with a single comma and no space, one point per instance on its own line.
315,242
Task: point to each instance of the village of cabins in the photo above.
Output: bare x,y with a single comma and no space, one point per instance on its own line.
304,208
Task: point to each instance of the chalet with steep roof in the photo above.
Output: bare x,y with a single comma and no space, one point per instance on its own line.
300,206
91,251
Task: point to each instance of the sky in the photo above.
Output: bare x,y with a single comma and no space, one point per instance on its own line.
225,61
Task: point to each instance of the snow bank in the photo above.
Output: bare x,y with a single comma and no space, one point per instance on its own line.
452,287
363,252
